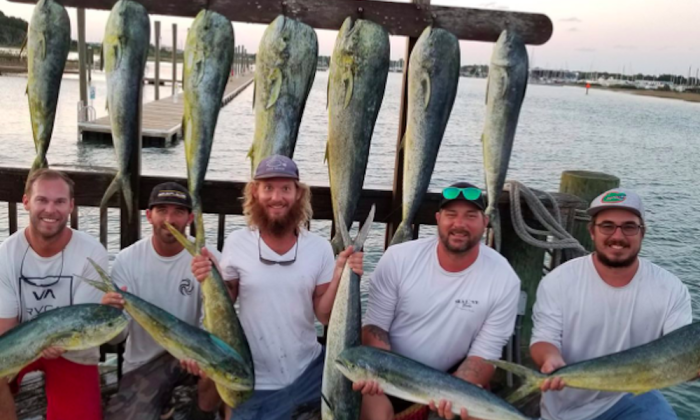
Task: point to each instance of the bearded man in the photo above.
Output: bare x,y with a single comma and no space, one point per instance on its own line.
282,275
605,303
449,302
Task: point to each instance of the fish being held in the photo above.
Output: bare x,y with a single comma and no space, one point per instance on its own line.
125,47
48,43
339,402
507,82
207,65
412,381
356,82
667,361
75,327
217,359
433,74
285,66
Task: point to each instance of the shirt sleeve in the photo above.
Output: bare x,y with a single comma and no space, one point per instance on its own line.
325,274
9,307
680,311
84,292
383,293
229,270
547,316
498,327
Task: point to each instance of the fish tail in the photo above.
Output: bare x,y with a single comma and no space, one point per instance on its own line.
39,162
182,239
128,197
111,190
531,379
337,243
404,233
494,240
105,285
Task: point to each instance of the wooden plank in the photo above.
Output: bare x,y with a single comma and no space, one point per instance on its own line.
12,215
157,69
220,232
398,18
174,62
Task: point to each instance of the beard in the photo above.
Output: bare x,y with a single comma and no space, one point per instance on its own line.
276,226
470,243
616,263
35,222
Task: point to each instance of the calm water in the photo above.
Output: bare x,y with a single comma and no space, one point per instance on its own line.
650,143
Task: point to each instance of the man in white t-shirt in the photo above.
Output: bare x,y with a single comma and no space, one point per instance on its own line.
157,269
605,303
449,301
282,275
40,270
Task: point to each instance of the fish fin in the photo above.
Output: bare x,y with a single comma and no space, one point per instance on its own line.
42,45
348,81
105,285
199,69
325,156
327,402
342,230
495,221
403,233
26,90
275,87
425,85
364,232
106,103
504,85
402,145
24,45
328,92
182,239
337,244
128,197
531,379
255,89
488,84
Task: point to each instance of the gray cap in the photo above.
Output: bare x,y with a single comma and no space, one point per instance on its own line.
617,198
276,166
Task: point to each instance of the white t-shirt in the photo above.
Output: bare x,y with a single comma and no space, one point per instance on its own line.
584,318
437,317
276,302
166,282
31,284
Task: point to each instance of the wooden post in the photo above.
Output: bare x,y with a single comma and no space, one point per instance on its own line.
156,76
587,186
82,63
397,190
174,58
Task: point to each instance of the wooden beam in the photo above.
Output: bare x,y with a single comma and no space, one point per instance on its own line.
157,69
82,61
175,60
398,18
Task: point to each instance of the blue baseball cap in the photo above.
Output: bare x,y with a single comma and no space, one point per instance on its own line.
276,166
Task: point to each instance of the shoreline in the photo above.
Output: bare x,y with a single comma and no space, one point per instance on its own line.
684,96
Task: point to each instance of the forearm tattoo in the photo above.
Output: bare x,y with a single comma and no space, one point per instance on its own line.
378,333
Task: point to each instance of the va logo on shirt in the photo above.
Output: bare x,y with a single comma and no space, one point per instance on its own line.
466,304
186,287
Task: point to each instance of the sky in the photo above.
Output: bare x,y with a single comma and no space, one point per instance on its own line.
641,36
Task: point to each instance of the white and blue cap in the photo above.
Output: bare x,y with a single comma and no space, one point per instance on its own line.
617,198
276,166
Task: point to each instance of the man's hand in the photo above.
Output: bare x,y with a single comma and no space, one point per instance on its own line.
114,299
201,265
367,388
354,260
555,383
52,353
444,410
193,368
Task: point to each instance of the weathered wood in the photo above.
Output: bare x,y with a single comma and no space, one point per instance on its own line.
104,227
174,57
82,63
74,218
586,185
220,231
398,18
157,69
12,215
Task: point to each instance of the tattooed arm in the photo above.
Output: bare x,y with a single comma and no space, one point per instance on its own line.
474,369
375,337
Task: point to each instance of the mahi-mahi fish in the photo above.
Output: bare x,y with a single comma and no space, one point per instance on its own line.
207,65
125,47
218,360
285,66
413,381
433,74
507,82
48,43
667,361
339,401
75,327
356,82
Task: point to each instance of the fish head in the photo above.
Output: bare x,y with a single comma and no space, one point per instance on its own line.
509,49
354,363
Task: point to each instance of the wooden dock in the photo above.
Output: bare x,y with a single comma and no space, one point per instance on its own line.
162,119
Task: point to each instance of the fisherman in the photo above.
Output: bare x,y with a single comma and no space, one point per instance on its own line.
447,301
40,269
157,269
282,275
605,303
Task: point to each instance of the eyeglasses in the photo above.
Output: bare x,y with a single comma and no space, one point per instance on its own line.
273,262
450,193
628,229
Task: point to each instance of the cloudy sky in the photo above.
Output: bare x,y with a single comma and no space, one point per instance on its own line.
648,36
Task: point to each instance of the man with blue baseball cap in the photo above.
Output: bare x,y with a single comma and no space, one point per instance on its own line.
604,303
282,275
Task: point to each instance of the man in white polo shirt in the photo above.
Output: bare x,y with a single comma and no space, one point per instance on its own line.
157,269
449,301
604,303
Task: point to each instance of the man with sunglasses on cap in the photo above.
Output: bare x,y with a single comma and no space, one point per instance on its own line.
157,269
282,275
605,303
40,269
449,302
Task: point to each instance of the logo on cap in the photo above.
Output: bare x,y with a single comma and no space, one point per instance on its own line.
276,164
614,197
172,193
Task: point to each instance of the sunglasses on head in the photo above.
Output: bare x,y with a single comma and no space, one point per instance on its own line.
450,193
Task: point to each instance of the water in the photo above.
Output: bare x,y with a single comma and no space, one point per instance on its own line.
649,143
